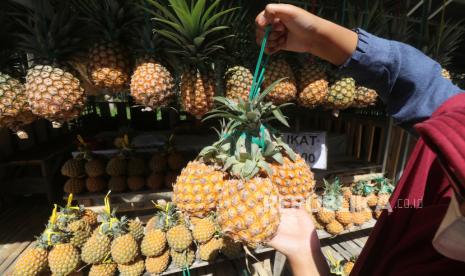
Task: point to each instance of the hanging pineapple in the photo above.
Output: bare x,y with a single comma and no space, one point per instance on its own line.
341,93
313,85
108,61
52,90
364,97
286,90
190,28
152,84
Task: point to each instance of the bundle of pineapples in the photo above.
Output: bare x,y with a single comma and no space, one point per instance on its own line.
341,208
58,248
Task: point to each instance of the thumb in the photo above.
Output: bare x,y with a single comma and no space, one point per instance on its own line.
279,12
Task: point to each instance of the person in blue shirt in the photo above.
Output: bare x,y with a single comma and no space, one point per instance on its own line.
407,81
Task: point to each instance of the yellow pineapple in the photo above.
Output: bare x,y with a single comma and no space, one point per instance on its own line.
377,214
197,91
63,259
182,259
209,251
367,213
152,85
318,225
331,202
364,97
385,190
96,184
358,217
33,262
248,210
313,85
124,249
344,216
347,267
157,265
341,93
238,83
325,215
203,230
96,248
136,229
179,237
358,201
294,181
134,268
116,166
334,228
197,189
73,167
74,186
153,243
80,231
105,269
89,216
286,90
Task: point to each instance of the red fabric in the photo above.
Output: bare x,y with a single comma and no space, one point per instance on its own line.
401,242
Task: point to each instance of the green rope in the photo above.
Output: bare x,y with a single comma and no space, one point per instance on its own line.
260,67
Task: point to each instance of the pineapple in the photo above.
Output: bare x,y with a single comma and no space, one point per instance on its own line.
248,210
286,90
341,93
136,229
385,190
194,44
344,216
358,217
116,166
96,248
364,97
136,167
153,243
238,82
294,181
313,85
152,84
334,228
358,202
179,238
136,183
80,231
124,249
230,248
203,230
318,225
377,214
95,168
90,217
183,259
197,189
73,167
157,265
158,163
209,251
74,186
96,184
117,184
331,203
348,266
367,214
33,262
63,259
135,268
155,181
105,269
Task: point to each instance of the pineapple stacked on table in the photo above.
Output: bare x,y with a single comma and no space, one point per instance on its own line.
165,167
342,208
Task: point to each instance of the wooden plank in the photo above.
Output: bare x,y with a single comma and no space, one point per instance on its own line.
371,140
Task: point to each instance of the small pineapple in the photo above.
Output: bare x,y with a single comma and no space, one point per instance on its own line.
124,249
209,251
95,168
157,265
197,189
248,210
136,229
158,163
203,230
331,202
74,186
179,237
313,85
96,184
286,90
135,268
153,243
63,259
341,93
385,190
155,181
105,269
96,248
73,167
136,167
238,82
364,97
344,216
90,217
117,184
135,183
116,166
318,225
183,259
33,262
358,201
358,217
197,91
334,228
347,267
80,231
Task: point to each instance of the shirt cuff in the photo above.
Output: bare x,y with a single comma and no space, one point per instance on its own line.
362,48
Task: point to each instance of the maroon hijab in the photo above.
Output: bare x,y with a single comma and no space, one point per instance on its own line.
401,242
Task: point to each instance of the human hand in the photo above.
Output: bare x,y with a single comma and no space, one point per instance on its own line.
297,239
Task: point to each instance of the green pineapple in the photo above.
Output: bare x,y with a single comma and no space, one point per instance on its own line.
341,93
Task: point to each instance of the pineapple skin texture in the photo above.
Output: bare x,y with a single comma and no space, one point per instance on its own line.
182,259
153,243
313,85
136,229
94,168
90,217
197,92
152,85
74,186
103,269
364,97
325,215
248,210
341,93
209,251
96,184
14,107
179,238
344,217
294,181
124,249
286,90
238,83
135,268
155,181
31,263
96,248
203,230
156,265
108,66
197,189
63,259
116,166
334,228
54,93
135,183
73,168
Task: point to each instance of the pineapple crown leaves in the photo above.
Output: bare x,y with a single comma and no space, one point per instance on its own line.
111,225
110,19
332,197
363,188
191,27
52,234
335,265
49,29
68,213
383,186
167,215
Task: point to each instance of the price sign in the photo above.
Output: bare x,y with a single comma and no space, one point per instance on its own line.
311,146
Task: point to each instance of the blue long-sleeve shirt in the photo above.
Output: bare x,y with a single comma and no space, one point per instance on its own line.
407,81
